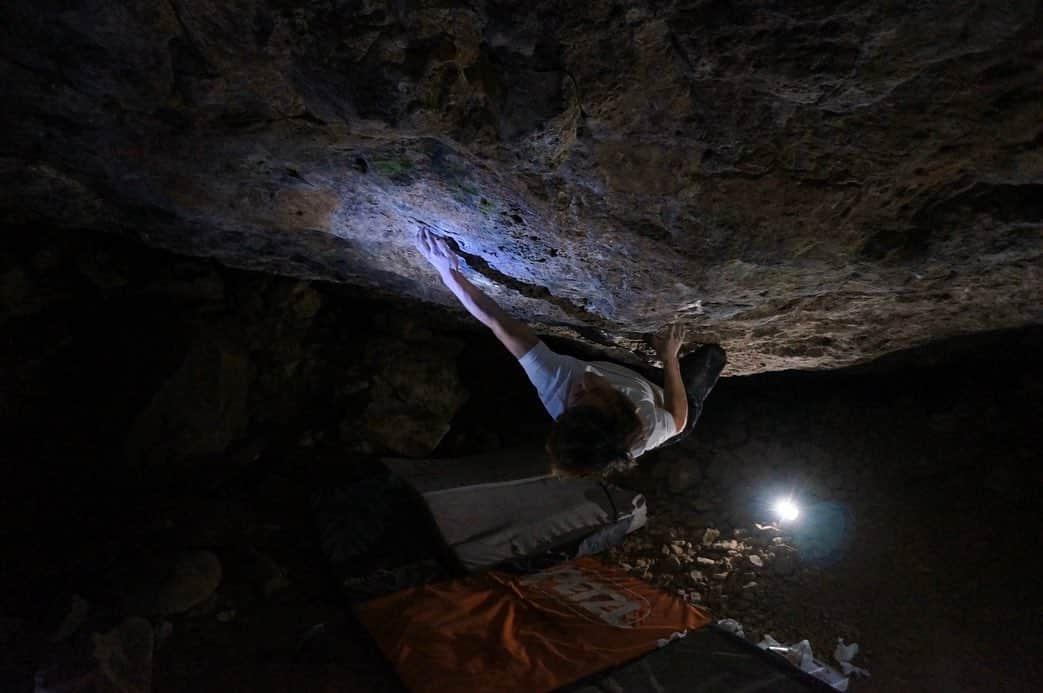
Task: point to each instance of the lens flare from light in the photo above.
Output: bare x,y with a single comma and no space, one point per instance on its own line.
786,509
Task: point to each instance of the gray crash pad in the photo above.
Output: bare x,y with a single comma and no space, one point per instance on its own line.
496,508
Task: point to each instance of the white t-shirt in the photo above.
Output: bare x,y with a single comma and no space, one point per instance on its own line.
552,375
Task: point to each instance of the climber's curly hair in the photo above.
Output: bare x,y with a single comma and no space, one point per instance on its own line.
590,439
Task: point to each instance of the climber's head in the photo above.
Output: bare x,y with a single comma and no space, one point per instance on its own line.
597,429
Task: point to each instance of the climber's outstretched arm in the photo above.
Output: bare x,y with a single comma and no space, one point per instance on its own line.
667,346
513,334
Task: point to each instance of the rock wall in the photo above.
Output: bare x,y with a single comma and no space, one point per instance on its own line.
813,185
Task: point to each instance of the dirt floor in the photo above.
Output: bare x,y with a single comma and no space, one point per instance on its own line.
932,592
934,588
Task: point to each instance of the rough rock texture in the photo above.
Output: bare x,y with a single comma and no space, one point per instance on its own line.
811,184
416,391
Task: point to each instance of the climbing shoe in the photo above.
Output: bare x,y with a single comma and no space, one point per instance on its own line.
699,371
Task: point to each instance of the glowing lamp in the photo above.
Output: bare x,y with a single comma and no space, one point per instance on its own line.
786,510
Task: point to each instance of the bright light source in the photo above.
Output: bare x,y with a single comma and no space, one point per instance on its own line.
786,509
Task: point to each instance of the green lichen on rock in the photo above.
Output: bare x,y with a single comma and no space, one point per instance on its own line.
392,167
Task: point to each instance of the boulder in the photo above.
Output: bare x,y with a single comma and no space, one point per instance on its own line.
811,185
415,393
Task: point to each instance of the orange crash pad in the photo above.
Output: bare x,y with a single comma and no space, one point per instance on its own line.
498,632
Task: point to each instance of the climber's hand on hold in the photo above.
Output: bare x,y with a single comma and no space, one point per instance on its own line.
437,252
669,342
667,345
516,336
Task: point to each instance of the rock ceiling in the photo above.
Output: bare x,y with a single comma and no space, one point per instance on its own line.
812,184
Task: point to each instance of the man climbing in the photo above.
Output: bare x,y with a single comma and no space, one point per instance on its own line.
605,414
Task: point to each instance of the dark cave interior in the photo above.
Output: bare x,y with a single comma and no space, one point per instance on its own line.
157,407
215,327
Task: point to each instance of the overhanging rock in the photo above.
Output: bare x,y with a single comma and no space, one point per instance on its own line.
811,187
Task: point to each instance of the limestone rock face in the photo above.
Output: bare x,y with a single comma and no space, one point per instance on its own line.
813,185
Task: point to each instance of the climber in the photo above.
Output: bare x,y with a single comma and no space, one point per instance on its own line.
605,415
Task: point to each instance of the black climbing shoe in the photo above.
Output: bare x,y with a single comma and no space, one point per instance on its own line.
699,371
